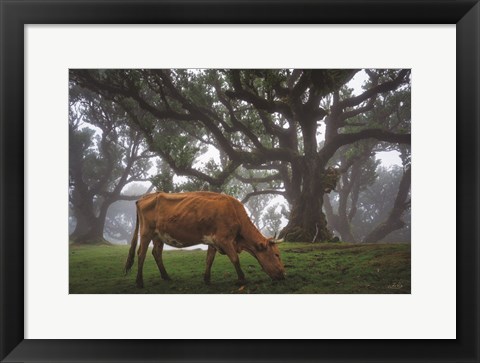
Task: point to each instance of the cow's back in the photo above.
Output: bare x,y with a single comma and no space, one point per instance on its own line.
192,217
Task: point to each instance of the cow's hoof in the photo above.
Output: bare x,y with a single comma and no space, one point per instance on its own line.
166,278
140,284
206,281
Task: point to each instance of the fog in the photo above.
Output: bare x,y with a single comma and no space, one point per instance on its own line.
122,148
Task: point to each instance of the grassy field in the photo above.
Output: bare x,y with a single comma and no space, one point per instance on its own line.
324,268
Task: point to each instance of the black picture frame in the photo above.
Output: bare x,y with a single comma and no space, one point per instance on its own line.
15,14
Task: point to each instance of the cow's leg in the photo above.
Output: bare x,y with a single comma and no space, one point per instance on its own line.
142,253
157,254
233,256
210,257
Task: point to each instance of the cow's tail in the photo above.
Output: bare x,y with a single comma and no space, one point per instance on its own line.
133,247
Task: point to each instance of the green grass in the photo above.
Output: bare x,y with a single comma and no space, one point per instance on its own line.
324,268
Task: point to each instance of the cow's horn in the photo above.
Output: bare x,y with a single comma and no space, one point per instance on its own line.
278,240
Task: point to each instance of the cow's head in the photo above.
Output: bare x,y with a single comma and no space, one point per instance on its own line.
268,255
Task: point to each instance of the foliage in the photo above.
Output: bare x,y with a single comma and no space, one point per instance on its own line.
105,155
375,201
260,121
358,165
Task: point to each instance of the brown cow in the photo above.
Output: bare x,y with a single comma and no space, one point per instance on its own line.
188,219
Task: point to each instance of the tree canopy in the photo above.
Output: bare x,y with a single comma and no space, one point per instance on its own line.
289,132
105,155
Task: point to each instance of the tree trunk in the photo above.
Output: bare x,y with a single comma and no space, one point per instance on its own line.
345,233
335,222
343,226
394,220
89,228
307,222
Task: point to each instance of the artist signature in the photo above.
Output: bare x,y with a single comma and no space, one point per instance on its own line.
395,286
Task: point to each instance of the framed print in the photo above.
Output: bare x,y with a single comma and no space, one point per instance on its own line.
57,305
